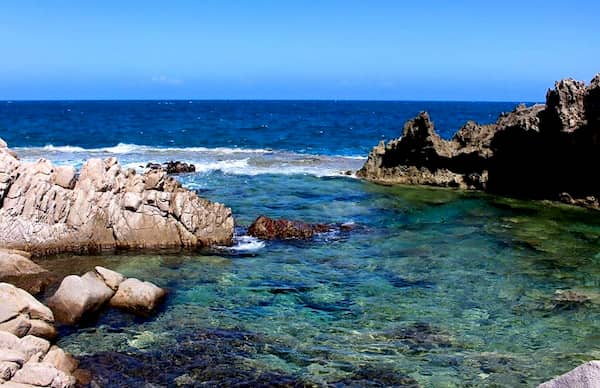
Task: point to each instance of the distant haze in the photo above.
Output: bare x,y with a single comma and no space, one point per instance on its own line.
303,49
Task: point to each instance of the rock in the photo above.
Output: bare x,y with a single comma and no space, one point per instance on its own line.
44,375
22,314
569,299
17,268
271,229
138,297
46,209
179,167
61,360
31,345
584,376
111,278
539,152
78,296
65,176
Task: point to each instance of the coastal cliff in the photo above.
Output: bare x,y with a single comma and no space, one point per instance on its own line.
545,151
48,209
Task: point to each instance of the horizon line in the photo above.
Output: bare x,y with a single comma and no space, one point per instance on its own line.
8,101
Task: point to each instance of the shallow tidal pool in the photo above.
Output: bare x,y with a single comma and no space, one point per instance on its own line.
431,287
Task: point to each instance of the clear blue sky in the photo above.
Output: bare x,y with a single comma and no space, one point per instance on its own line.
321,49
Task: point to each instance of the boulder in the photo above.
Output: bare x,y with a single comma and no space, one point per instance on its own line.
49,209
138,297
42,374
61,360
584,376
17,268
78,296
111,278
271,229
21,314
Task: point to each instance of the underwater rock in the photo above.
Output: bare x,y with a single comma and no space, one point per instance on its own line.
201,358
569,299
546,151
419,337
271,229
21,314
48,209
372,376
584,376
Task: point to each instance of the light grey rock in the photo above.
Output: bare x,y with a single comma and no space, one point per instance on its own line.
584,376
111,278
137,296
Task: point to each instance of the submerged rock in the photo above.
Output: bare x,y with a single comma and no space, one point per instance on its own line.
48,209
549,151
584,376
271,229
569,299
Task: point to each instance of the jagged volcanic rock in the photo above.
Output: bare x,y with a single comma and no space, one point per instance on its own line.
549,151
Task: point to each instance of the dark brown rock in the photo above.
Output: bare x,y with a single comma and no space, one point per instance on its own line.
178,167
549,151
271,229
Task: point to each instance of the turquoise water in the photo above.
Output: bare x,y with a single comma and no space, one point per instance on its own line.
433,287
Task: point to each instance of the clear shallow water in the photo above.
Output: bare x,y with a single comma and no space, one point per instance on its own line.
434,287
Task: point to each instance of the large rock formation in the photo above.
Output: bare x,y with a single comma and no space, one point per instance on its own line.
549,151
17,268
47,209
21,314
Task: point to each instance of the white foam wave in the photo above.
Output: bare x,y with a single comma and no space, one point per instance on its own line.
126,148
247,244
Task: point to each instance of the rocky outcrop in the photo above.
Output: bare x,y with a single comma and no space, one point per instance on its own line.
270,229
48,209
21,314
549,151
584,376
79,297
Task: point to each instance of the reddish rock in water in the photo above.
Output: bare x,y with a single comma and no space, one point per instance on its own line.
271,229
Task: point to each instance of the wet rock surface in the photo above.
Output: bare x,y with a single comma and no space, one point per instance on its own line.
546,151
173,167
278,229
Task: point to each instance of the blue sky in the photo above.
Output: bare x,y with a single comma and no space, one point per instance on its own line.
328,49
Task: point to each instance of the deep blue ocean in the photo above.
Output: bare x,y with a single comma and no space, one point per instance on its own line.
432,287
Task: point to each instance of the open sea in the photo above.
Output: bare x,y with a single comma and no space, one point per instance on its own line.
432,287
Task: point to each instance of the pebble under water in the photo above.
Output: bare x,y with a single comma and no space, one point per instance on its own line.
431,287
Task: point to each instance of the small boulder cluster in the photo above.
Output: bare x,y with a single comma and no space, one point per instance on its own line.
81,296
27,358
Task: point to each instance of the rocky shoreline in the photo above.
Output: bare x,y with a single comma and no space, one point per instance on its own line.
46,209
549,151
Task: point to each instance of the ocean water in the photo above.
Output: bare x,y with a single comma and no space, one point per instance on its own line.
431,287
